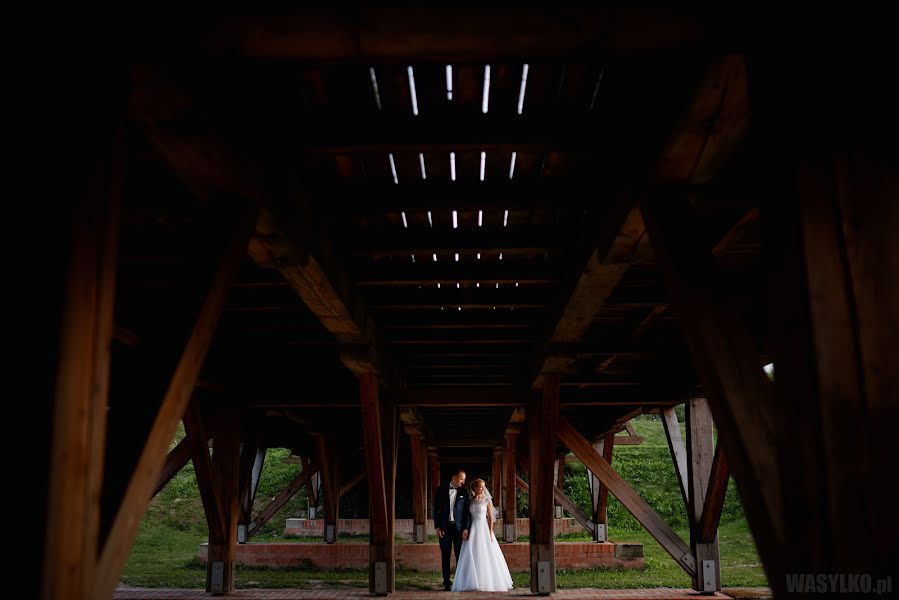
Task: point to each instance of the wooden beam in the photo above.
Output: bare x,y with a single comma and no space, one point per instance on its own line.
678,451
728,365
329,467
542,416
447,271
419,500
510,465
630,499
140,487
174,462
398,35
324,287
280,500
80,395
380,547
699,464
252,461
573,510
222,559
198,437
352,482
619,239
714,497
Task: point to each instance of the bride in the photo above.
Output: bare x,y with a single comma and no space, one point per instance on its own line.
482,565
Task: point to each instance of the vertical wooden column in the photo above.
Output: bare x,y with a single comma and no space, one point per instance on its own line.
390,446
380,462
78,422
510,472
559,481
599,492
700,452
543,418
497,485
419,499
311,487
220,566
434,476
329,470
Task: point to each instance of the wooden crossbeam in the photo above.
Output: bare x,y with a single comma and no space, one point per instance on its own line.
564,501
149,464
620,235
727,362
714,497
678,451
205,473
352,482
280,500
174,462
629,498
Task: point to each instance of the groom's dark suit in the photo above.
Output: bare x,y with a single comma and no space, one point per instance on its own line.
452,524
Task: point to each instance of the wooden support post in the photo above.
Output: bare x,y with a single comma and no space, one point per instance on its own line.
678,451
252,459
599,492
311,487
729,368
204,469
510,470
434,476
220,566
700,449
542,418
419,499
629,498
559,481
714,497
235,223
497,484
81,388
329,469
174,462
381,555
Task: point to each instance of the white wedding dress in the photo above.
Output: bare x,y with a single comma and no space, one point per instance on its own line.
482,565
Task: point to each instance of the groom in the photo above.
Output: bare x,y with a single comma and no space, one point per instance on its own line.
451,520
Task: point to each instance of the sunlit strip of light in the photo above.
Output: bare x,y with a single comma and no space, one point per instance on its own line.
453,166
505,217
500,255
405,223
478,284
512,164
479,256
449,82
421,162
486,98
455,220
430,221
393,168
438,287
374,86
480,218
413,260
516,284
435,256
458,285
524,83
457,257
411,75
460,308
483,164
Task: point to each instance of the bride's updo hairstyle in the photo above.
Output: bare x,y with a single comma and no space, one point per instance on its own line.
476,483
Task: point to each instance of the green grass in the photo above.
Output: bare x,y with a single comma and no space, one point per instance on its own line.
165,552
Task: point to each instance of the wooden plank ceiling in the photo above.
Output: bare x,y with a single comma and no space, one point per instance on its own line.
488,230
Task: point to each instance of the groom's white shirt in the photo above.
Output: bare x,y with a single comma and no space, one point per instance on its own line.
453,492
